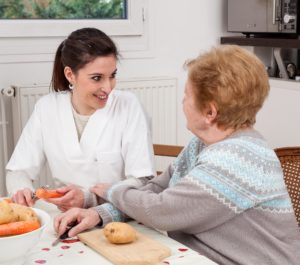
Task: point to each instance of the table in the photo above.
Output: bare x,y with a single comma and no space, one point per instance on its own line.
74,252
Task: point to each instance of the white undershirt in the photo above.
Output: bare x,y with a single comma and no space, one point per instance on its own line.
80,122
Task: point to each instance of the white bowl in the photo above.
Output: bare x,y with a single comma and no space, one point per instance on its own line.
14,248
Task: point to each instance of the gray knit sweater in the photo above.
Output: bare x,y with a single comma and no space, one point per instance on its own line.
227,201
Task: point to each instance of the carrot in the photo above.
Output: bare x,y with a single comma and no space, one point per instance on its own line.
8,200
43,193
17,228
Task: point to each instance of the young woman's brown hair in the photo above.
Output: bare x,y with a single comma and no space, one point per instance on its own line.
80,48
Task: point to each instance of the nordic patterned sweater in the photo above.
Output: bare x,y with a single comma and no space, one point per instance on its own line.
228,201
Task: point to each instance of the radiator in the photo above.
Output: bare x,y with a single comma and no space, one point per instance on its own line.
3,143
158,96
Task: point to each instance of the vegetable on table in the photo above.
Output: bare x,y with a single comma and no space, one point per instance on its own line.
119,233
17,219
43,193
17,228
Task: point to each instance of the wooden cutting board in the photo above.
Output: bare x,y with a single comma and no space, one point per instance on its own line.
143,251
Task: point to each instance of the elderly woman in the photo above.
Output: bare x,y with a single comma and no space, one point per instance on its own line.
224,195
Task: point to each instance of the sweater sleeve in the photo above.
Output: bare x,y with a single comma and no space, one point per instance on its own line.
92,200
109,213
184,206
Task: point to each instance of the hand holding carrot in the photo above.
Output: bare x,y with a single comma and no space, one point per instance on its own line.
27,197
71,197
24,197
64,198
44,193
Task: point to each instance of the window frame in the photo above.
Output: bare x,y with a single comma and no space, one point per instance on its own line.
132,26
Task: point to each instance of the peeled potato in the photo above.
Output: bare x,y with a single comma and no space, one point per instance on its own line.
119,233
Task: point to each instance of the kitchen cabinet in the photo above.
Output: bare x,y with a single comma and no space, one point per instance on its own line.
262,42
279,65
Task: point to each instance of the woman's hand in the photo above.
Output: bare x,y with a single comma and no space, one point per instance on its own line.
24,197
84,219
73,197
100,189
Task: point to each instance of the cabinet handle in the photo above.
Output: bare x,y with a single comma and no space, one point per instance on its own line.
274,12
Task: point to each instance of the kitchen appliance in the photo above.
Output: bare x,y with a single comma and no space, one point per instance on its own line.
263,17
291,70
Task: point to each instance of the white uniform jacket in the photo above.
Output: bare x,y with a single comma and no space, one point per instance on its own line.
115,144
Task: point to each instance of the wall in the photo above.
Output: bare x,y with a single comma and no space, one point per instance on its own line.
278,120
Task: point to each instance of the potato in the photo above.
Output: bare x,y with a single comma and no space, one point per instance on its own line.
23,213
16,219
7,214
119,233
12,212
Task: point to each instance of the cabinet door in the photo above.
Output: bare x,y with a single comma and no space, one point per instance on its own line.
247,15
273,15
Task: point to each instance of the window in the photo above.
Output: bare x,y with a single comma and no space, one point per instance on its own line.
59,9
36,40
128,22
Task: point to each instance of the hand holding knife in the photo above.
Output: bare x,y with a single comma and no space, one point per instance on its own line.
64,235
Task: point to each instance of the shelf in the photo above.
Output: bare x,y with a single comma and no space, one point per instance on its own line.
262,42
284,84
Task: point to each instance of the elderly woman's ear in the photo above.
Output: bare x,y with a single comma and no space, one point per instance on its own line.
211,113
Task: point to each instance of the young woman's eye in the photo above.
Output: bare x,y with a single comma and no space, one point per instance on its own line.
113,75
96,78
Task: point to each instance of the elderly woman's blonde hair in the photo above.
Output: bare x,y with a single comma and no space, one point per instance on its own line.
233,79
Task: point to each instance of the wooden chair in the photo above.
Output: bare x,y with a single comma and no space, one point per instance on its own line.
290,162
166,150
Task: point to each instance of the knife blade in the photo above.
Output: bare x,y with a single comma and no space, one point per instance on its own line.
63,236
55,242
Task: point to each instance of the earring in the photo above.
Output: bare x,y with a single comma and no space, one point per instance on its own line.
71,86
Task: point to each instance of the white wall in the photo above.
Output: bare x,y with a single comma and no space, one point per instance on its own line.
278,120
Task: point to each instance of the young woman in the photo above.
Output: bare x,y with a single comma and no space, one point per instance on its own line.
224,196
86,131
